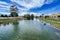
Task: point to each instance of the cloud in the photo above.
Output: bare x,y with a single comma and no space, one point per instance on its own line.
4,13
49,1
4,7
35,14
30,3
3,2
51,11
27,4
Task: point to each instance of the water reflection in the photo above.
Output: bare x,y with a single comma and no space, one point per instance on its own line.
28,30
8,30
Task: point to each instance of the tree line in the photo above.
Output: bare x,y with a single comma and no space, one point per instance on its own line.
28,16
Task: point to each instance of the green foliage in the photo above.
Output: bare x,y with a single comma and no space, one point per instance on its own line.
14,14
28,16
14,10
4,15
32,16
52,21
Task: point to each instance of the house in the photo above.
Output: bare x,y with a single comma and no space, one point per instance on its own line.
56,16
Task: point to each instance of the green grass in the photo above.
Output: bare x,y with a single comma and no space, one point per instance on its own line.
53,22
7,21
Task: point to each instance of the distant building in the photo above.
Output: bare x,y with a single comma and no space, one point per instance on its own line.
55,15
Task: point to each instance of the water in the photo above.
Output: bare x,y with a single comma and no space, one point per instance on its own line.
28,30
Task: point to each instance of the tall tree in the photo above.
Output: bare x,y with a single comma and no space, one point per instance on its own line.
32,16
13,10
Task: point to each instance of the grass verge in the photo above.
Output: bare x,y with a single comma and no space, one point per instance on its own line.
53,22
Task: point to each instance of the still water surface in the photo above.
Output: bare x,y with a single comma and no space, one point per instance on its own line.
28,30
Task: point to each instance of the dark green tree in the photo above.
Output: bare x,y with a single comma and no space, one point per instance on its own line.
13,10
14,14
32,16
27,16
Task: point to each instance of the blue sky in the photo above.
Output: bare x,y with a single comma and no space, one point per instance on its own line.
35,7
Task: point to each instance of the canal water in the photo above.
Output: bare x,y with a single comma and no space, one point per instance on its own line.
28,30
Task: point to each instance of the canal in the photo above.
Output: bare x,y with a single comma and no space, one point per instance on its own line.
28,30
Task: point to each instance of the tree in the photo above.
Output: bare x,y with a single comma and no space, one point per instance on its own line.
13,10
40,16
46,16
32,16
14,14
27,16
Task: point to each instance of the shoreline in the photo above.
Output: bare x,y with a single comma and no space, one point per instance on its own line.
11,17
54,25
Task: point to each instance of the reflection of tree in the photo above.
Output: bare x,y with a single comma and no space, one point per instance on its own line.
16,28
4,23
7,22
12,34
16,25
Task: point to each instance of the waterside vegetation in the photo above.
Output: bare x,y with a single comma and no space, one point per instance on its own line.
55,23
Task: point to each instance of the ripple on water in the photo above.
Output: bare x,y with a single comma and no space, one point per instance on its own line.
58,34
29,30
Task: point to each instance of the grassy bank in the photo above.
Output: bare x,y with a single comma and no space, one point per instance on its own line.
6,20
53,22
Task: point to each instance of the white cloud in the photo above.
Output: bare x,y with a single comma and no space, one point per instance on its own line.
4,8
49,1
26,3
22,13
3,2
4,13
50,11
35,14
21,9
30,3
